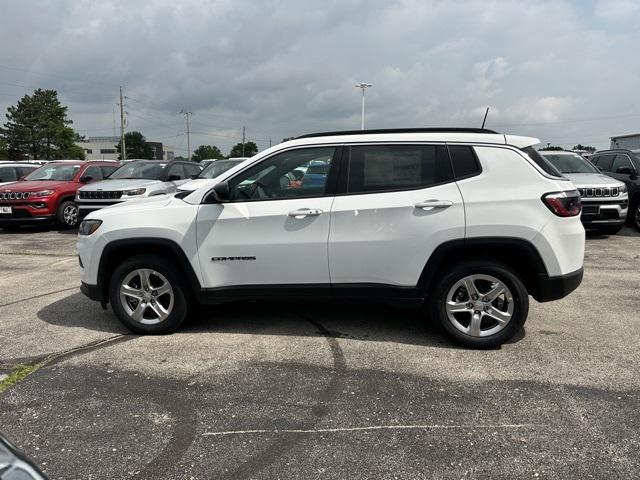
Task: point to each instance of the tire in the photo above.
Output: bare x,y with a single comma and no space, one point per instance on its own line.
158,314
636,219
511,306
68,215
608,230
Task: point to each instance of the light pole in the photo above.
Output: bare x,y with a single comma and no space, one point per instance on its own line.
363,86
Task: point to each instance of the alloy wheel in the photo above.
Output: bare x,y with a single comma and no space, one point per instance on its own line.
70,215
638,217
146,296
479,305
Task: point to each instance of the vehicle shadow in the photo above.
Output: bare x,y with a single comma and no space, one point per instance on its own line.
33,229
370,322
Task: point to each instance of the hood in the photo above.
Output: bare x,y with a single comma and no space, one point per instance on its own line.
136,204
124,184
582,180
196,184
33,186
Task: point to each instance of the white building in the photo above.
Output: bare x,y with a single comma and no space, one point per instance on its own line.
105,148
629,142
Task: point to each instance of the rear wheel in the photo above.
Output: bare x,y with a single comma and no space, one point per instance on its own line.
480,304
68,214
148,295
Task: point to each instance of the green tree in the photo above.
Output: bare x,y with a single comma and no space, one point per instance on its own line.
551,148
38,128
75,152
137,146
206,151
587,148
250,149
3,149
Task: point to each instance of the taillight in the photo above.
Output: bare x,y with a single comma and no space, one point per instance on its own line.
563,204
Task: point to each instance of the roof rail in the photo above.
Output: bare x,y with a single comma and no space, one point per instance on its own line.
399,130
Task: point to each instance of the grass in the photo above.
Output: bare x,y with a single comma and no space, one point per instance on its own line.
18,373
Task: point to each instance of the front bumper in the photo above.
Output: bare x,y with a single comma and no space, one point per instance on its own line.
10,221
604,213
554,288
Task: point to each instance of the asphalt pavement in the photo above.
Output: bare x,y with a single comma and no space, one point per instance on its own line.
328,390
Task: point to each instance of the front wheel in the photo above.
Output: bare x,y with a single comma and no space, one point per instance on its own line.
480,304
68,214
148,295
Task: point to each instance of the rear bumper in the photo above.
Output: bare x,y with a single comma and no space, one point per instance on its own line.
554,288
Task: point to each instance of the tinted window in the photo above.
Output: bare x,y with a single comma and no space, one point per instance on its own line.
176,170
621,161
217,168
138,170
8,174
192,170
22,171
275,179
94,172
604,162
464,161
397,167
543,163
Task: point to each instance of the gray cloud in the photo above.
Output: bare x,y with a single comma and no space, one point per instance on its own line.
285,67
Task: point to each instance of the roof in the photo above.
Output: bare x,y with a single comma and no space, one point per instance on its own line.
625,136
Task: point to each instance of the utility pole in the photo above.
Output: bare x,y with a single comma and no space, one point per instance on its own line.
243,138
363,86
188,115
114,120
123,148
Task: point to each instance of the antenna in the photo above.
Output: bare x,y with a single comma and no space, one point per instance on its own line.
486,112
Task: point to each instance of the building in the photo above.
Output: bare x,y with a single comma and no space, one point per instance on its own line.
629,142
105,148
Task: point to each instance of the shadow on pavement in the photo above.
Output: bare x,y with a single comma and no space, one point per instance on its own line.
330,318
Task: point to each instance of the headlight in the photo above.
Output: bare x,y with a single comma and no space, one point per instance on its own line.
623,188
87,227
134,192
42,193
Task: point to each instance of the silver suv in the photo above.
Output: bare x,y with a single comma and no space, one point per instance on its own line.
605,200
139,179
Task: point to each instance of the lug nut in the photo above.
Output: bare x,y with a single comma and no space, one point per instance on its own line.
469,305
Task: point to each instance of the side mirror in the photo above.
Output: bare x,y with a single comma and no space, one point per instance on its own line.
221,192
86,179
625,171
173,178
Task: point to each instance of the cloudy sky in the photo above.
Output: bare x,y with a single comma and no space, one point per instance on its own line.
564,71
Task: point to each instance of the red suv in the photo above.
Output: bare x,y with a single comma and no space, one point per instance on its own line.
46,195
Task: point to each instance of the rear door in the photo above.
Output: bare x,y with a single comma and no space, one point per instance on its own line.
401,202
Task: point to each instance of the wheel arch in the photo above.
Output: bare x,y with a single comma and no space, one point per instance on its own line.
516,253
118,250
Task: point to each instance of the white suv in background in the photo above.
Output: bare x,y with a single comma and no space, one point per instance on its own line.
135,179
469,220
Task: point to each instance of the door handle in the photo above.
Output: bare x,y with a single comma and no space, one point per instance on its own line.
305,212
434,204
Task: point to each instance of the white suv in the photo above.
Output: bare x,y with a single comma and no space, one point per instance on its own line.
468,219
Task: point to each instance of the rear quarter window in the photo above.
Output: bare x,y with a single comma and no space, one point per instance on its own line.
464,161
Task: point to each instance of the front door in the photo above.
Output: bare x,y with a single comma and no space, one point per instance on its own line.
275,228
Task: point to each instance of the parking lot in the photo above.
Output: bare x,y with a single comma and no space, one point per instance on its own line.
321,390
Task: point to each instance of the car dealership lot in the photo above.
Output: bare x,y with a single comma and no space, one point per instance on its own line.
318,390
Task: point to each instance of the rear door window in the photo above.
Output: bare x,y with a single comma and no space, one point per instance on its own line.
605,161
384,168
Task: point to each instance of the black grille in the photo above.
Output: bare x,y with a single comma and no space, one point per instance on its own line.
589,192
100,195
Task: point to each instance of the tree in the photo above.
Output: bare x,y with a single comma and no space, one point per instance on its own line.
587,148
38,128
250,149
551,148
3,149
137,146
206,151
75,152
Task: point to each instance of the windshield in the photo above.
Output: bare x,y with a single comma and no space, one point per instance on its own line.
63,173
570,163
217,168
143,170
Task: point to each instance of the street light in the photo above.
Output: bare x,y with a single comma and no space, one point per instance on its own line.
363,86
